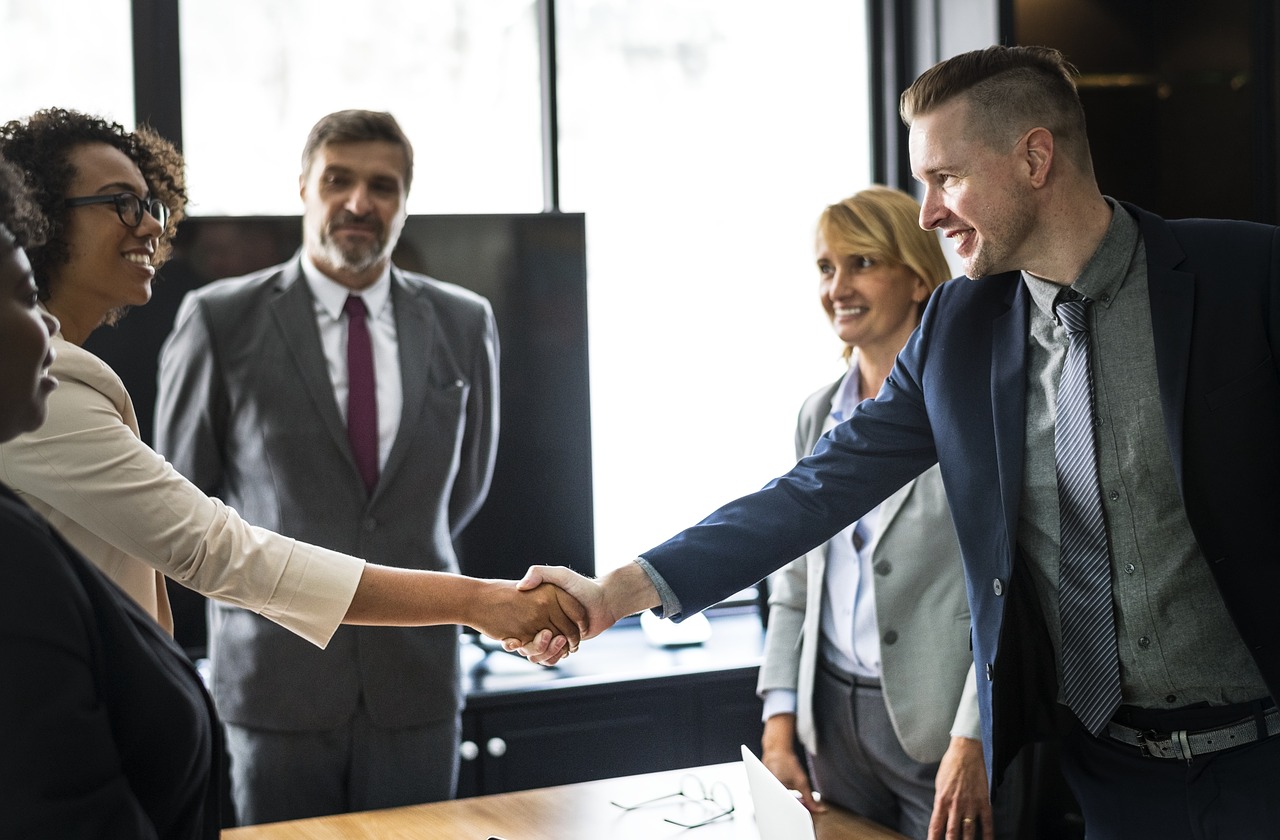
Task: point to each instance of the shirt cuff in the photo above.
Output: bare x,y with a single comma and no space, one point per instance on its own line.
778,701
671,607
315,592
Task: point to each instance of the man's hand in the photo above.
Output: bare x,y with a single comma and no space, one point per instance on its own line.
543,650
541,615
620,593
779,755
961,801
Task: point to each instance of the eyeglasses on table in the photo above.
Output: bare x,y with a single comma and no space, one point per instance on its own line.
692,789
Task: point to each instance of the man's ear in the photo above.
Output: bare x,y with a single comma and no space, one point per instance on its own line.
1037,147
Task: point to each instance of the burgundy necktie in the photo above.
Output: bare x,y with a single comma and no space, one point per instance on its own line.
362,401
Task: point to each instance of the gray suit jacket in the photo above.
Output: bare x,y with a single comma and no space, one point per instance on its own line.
921,609
246,410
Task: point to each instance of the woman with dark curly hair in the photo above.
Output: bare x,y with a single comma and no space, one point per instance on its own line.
87,674
113,199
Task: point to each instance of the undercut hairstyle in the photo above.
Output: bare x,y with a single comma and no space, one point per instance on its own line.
884,224
357,126
19,215
41,147
1010,91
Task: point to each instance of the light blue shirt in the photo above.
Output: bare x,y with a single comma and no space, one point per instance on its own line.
850,640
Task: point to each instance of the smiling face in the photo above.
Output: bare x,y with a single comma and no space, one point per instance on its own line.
353,196
25,355
972,190
109,263
872,304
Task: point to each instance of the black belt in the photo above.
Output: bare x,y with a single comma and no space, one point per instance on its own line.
1185,745
843,676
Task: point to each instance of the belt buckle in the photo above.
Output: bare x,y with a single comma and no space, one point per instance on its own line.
1152,745
1149,744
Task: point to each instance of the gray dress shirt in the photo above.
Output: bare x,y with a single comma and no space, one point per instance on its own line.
1177,643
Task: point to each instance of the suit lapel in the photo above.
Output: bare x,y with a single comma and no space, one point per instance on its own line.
890,507
1008,399
415,334
1172,295
294,311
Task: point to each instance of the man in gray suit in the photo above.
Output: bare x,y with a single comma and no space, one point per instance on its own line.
340,400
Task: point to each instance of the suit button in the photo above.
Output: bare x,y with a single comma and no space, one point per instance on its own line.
883,567
990,671
1144,642
998,586
891,637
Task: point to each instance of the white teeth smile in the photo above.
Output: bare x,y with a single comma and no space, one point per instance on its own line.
850,310
140,259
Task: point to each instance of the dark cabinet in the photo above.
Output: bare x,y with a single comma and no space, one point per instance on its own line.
619,706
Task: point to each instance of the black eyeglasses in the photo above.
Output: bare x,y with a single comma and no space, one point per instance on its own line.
129,207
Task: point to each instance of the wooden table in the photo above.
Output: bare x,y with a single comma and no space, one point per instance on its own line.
569,812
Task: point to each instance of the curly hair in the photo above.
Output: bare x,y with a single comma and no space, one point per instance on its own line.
41,146
18,213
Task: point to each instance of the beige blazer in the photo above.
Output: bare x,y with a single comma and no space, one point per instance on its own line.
927,672
127,510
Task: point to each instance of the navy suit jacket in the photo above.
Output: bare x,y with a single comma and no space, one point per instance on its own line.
957,396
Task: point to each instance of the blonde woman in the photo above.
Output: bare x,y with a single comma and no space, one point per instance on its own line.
866,657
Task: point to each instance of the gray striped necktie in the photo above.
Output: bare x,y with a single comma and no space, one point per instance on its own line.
1090,662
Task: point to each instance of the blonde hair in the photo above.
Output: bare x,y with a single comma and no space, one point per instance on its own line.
884,223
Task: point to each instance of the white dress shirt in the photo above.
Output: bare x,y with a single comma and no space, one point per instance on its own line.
330,296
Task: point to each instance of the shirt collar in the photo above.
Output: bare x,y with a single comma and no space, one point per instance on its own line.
848,394
332,295
1104,273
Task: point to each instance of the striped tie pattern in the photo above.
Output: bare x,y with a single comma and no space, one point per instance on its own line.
1090,661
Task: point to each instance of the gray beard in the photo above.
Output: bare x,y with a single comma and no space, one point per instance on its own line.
355,260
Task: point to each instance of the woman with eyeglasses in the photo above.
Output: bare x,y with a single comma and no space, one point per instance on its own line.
87,675
113,199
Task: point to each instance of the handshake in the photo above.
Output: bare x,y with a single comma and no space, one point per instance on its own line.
549,612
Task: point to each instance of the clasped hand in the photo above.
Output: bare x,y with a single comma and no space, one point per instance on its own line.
549,645
537,617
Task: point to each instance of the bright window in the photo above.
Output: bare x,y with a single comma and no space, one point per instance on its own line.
461,78
702,139
75,54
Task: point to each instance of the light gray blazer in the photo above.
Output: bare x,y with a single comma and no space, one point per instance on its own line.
246,410
927,670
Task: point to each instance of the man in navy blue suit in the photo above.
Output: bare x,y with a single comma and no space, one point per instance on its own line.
1184,329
